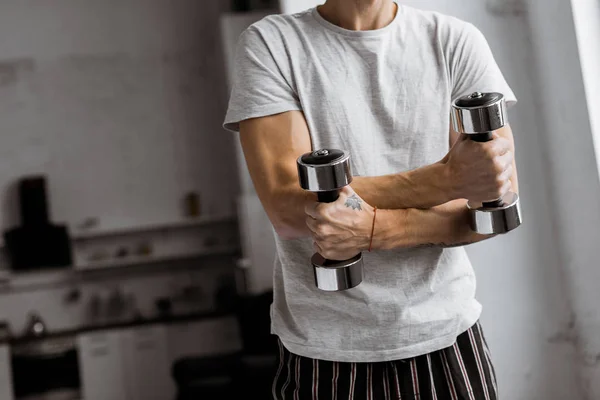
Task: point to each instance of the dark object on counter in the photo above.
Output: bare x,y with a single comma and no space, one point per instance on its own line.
37,243
145,249
164,306
192,204
122,252
73,296
44,366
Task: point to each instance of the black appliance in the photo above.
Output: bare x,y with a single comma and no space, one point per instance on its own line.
37,243
46,366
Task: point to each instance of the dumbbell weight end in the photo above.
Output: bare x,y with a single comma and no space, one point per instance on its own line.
503,217
334,276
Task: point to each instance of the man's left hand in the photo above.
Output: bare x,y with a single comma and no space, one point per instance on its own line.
341,229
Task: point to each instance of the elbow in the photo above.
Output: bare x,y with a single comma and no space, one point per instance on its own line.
285,227
287,223
286,232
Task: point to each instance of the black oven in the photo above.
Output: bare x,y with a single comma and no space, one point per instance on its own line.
46,369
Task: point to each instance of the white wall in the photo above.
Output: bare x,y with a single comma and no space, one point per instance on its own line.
586,15
568,130
520,281
120,103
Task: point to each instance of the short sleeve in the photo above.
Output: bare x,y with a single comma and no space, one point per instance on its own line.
474,68
258,87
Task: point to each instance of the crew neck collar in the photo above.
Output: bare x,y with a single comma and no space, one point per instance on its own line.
352,33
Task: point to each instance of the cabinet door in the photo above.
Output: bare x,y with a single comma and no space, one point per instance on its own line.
101,366
6,391
147,366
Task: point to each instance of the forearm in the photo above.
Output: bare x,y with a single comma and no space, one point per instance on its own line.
421,188
444,226
411,212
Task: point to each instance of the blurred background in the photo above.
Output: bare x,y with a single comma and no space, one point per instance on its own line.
136,259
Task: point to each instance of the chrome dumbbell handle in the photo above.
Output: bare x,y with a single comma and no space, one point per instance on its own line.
478,115
482,138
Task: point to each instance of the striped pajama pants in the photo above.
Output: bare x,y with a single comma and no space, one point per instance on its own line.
462,371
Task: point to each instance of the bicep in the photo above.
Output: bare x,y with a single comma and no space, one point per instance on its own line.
271,146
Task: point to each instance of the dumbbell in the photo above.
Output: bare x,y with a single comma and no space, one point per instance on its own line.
325,172
478,115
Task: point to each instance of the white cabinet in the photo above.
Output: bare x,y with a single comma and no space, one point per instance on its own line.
101,365
6,391
147,367
135,363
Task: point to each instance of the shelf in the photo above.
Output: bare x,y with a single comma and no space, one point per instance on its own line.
10,280
209,314
77,235
141,260
80,235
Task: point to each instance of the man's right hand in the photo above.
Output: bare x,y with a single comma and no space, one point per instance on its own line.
480,171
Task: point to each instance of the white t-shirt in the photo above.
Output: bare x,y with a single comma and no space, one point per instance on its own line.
384,96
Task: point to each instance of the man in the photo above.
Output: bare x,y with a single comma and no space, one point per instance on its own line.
374,78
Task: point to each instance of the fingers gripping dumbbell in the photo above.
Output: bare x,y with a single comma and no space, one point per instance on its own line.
325,172
478,115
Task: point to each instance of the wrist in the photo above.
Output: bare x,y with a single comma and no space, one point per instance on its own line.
447,182
389,229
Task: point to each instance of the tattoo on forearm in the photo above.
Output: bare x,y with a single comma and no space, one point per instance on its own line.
354,202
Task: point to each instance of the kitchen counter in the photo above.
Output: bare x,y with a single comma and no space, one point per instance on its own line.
175,319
